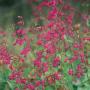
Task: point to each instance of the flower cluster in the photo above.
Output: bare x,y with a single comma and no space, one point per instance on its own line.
54,52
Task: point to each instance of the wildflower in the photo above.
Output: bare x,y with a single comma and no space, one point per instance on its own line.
37,83
31,86
56,35
52,14
20,23
51,24
82,55
39,42
39,55
19,41
66,59
78,75
11,67
56,61
75,52
45,67
23,80
20,32
76,45
37,63
52,3
57,75
70,72
25,51
16,88
4,55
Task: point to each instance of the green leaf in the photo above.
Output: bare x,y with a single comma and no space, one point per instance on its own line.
69,53
88,22
27,71
49,88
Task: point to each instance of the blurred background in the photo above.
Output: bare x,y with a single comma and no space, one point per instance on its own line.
9,9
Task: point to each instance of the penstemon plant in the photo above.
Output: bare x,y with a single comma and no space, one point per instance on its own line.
51,56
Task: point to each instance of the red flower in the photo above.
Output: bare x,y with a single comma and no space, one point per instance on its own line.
45,67
70,72
20,23
56,62
52,3
20,32
37,63
78,75
52,14
19,41
37,83
39,42
76,45
25,51
23,80
57,76
4,55
31,87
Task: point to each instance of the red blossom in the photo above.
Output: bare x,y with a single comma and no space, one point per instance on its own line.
20,32
37,83
31,86
56,61
70,72
19,41
25,51
37,63
45,66
57,75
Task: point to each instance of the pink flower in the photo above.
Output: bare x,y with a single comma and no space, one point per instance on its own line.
52,3
20,32
12,77
70,72
50,50
16,88
56,35
31,87
18,81
37,83
37,63
39,42
82,61
57,76
82,55
56,62
75,52
23,80
21,23
45,66
76,45
78,75
60,14
52,14
51,24
19,41
47,45
79,67
62,37
25,51
4,55
66,59
39,55
11,67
